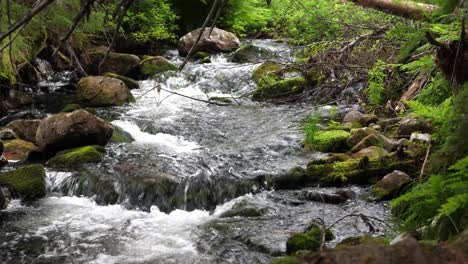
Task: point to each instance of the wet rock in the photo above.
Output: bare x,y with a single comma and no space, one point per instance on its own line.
103,91
391,185
70,108
373,139
121,136
3,200
155,65
18,99
251,54
368,119
118,63
8,134
28,181
70,130
373,152
201,55
131,83
77,156
18,149
25,129
409,125
331,141
218,41
322,197
267,69
346,194
245,208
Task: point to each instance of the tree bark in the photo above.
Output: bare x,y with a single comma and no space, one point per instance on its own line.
401,8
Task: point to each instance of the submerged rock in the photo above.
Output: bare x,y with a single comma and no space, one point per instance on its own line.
121,136
391,185
321,197
131,83
251,54
154,65
219,41
77,156
70,130
28,181
18,149
103,91
25,129
245,208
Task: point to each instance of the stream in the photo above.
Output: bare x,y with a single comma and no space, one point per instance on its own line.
161,198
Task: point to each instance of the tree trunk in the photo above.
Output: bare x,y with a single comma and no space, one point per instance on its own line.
401,8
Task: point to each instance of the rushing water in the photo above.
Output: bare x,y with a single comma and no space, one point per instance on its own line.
160,198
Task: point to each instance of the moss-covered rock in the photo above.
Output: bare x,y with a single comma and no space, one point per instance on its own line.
103,91
251,54
206,60
70,108
28,181
201,55
131,83
224,100
357,171
267,69
77,156
121,136
245,208
269,88
155,65
331,141
18,149
118,63
301,241
372,152
391,185
286,260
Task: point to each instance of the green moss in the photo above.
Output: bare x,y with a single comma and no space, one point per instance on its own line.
120,136
358,171
28,181
265,70
155,65
201,55
331,141
301,241
18,149
270,88
206,60
131,83
73,157
70,108
315,232
286,260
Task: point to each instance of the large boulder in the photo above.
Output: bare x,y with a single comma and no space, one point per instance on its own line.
25,129
391,185
28,182
154,65
118,63
71,130
246,208
131,83
218,41
103,91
